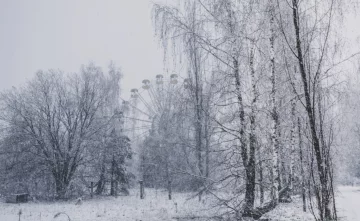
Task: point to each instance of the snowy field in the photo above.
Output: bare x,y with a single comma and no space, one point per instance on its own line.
157,207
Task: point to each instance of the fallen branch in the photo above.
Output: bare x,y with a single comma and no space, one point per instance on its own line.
258,212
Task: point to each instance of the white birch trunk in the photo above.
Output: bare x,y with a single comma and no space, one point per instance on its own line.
292,144
274,129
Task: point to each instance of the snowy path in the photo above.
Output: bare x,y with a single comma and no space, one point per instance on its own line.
348,203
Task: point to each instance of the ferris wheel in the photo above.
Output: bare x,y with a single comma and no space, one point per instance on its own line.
150,105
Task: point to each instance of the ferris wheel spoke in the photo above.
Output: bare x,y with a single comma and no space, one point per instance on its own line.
159,103
136,108
148,106
156,99
140,135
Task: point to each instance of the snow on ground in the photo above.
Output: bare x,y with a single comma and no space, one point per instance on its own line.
156,207
348,203
289,212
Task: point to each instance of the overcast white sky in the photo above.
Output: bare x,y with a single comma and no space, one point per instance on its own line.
63,34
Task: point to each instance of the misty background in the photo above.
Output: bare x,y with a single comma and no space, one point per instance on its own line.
41,34
63,35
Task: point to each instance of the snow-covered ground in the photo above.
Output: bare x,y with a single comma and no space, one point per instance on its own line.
289,212
157,207
348,203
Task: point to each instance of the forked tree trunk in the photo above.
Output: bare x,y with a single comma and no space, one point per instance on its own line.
248,156
62,176
61,188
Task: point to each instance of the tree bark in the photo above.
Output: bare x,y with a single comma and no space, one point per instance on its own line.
100,186
249,174
324,211
261,181
250,166
258,212
275,120
292,144
112,182
303,190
